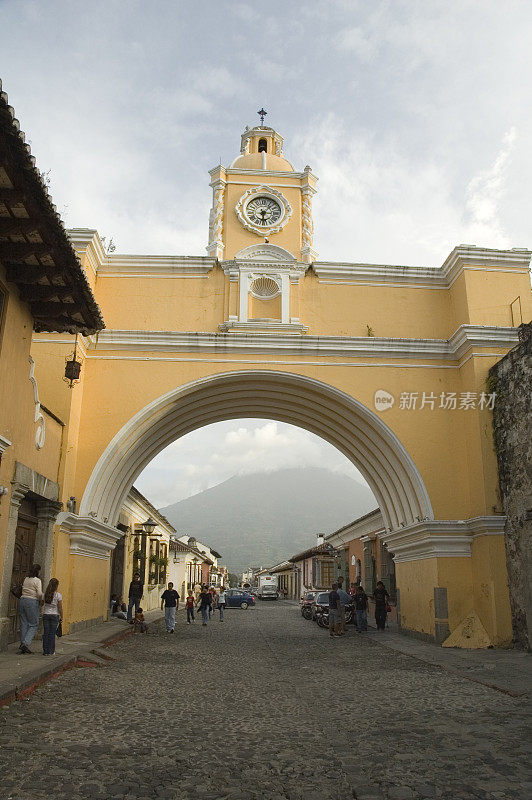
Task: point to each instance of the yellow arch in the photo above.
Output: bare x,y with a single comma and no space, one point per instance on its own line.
328,412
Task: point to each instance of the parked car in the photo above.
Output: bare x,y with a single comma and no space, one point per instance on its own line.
305,604
320,604
238,598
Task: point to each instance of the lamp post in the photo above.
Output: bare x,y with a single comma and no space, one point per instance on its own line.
146,529
149,526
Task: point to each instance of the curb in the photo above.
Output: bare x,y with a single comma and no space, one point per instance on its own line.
88,656
19,691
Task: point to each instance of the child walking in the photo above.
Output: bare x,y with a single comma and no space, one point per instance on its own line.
190,607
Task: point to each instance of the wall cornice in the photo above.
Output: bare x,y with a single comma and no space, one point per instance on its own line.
88,536
440,538
137,266
247,337
266,173
4,444
460,259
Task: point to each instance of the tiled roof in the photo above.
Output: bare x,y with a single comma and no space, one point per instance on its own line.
34,247
319,550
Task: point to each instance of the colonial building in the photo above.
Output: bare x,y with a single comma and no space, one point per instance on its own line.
387,363
143,548
314,568
44,289
286,579
362,557
210,572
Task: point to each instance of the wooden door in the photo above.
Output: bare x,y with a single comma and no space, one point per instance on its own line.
117,568
22,559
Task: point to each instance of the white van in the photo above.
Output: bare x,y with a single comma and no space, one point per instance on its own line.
268,591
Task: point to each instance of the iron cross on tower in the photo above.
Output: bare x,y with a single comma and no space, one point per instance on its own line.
262,113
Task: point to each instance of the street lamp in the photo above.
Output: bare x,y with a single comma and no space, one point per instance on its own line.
149,526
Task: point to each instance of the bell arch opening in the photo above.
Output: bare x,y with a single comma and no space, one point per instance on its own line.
315,406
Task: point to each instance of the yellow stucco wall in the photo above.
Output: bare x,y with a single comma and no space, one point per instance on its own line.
417,580
490,588
442,443
89,588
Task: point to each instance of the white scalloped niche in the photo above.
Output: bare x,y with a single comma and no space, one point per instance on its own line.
264,287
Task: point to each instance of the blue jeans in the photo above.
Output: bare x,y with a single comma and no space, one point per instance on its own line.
132,601
362,619
28,614
169,617
205,614
190,614
50,623
221,607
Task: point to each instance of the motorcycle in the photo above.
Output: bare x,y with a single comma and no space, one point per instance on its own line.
322,615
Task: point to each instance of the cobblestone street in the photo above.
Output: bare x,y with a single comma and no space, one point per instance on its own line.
265,705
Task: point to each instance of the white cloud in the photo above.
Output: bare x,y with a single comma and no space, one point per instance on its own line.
399,209
485,192
359,43
215,453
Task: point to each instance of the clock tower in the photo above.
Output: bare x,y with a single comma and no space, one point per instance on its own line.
260,199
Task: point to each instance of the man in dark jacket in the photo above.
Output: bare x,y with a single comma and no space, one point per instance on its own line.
335,624
361,609
136,590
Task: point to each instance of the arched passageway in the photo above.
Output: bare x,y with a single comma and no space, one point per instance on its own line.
338,418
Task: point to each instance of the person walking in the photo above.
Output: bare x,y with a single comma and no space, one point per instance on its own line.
381,598
205,605
28,608
361,608
345,598
334,611
170,601
214,599
221,603
52,615
136,590
190,608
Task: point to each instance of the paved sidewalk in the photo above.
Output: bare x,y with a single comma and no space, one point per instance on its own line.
21,674
509,671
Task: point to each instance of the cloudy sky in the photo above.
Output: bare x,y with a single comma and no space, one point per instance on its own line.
216,452
415,115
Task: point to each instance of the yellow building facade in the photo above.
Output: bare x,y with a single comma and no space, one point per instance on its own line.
387,363
42,288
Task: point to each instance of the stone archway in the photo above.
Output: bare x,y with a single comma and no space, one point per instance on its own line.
328,412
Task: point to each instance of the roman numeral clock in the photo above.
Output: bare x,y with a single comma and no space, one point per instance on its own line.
263,210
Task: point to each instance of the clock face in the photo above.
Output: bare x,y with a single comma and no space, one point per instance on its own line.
263,211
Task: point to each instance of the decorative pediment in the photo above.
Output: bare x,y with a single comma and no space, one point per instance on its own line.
265,252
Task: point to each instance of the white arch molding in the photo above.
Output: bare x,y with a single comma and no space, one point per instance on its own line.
305,402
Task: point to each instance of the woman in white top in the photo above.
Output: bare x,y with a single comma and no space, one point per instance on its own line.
28,608
52,615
